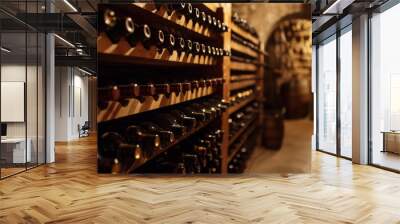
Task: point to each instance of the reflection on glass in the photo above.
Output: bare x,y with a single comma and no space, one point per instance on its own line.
15,150
327,96
346,94
385,84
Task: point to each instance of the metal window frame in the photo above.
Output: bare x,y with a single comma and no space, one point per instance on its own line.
339,32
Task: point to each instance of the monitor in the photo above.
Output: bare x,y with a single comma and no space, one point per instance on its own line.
3,129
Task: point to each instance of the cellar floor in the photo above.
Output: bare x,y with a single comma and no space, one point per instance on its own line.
293,157
70,191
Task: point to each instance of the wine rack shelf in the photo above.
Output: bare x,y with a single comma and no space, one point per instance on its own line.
122,53
243,49
242,130
241,104
206,44
243,139
239,31
183,20
242,84
115,109
143,161
241,66
237,78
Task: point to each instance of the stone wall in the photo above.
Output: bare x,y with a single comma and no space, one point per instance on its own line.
285,31
264,16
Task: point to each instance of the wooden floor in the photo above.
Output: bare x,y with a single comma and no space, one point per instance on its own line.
70,191
294,155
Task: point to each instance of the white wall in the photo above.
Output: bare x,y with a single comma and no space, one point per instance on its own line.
71,94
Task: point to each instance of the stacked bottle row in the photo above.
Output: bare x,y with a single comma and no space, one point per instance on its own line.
243,118
239,161
240,96
244,42
118,26
198,154
139,91
193,12
129,142
242,23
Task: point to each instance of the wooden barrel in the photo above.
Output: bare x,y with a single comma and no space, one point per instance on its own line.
296,95
273,129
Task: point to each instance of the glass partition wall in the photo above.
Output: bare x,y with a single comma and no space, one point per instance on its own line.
334,94
385,89
22,77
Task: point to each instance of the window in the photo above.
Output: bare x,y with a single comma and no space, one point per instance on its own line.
346,92
385,89
326,105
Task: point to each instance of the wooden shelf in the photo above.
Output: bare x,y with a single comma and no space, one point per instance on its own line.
181,19
243,129
239,31
123,53
243,77
236,46
115,110
243,139
143,161
242,66
238,106
242,84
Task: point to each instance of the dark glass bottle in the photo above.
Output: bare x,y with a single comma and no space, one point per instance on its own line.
166,137
183,118
149,142
169,122
143,35
116,28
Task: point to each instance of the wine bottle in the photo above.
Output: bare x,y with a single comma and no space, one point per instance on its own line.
209,51
112,146
176,88
199,115
219,25
214,22
197,47
194,85
149,142
160,40
181,44
166,137
189,10
117,28
189,46
142,35
210,21
203,49
197,14
163,89
203,17
186,87
183,118
169,122
171,43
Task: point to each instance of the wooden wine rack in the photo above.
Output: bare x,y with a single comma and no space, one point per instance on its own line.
122,54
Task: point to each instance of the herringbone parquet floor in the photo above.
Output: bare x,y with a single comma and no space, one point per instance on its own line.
70,191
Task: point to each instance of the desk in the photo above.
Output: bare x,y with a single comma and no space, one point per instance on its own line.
391,141
13,150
